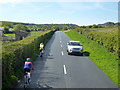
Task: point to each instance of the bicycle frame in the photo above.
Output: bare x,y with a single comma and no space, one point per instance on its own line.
26,81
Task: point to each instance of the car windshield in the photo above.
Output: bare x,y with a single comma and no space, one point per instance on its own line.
74,43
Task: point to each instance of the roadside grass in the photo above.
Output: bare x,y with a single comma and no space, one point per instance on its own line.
105,60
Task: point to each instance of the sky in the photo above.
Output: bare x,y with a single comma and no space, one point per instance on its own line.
78,12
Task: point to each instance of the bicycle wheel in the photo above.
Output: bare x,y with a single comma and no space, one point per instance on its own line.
28,80
25,81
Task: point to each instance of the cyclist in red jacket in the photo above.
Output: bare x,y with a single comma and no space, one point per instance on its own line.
28,64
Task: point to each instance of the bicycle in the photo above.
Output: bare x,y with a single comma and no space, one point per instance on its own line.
41,53
26,80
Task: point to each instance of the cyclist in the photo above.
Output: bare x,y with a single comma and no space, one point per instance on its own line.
41,47
28,64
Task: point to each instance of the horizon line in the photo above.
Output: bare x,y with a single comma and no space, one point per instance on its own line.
53,23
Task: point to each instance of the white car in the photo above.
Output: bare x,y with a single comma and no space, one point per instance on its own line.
74,47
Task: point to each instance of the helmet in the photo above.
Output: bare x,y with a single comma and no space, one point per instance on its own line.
42,43
28,59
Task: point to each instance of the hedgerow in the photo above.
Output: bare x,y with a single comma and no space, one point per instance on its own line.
15,54
107,37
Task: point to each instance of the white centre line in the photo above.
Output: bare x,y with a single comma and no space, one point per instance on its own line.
65,72
62,53
61,45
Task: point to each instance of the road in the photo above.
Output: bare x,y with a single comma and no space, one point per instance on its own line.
57,69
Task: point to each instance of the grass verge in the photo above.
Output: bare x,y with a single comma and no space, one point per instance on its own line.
105,60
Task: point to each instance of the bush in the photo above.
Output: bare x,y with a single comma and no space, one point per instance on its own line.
14,79
107,37
15,54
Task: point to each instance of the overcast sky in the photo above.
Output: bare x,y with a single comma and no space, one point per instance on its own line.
78,12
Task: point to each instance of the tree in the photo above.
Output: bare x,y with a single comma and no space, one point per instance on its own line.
80,30
99,26
77,29
55,28
96,26
20,27
25,28
48,29
65,28
90,26
7,24
83,26
39,29
42,29
6,29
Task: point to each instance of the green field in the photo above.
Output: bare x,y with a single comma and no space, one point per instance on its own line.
10,35
32,33
105,60
36,32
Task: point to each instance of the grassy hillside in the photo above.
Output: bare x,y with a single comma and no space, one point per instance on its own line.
105,60
36,27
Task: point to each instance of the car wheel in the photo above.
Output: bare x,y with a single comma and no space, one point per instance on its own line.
81,54
68,53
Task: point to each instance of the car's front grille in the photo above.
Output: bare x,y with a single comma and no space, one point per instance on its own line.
76,48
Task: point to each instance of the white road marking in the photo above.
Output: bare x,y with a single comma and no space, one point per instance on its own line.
61,45
65,72
62,53
60,41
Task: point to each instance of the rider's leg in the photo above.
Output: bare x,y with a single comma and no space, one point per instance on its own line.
29,75
25,73
25,76
40,51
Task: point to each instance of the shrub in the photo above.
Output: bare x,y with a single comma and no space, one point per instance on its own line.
15,54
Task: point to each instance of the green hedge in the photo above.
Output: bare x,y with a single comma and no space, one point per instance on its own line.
15,54
107,37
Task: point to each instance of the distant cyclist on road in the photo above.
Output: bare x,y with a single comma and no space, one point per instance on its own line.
41,47
28,64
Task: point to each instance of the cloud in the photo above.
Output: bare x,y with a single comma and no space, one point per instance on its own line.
22,1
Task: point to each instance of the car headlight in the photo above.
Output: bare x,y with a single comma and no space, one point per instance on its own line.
81,50
70,50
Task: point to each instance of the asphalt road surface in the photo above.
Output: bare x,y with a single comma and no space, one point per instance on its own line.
57,69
